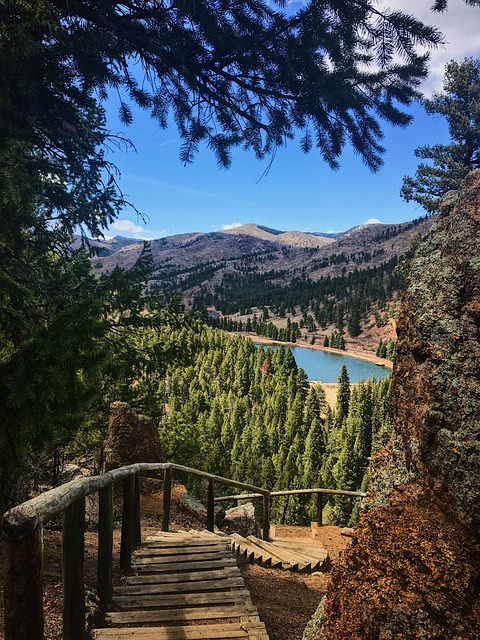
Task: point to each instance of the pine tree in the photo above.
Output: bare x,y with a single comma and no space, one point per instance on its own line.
459,104
343,397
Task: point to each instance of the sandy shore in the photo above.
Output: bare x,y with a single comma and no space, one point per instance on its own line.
361,355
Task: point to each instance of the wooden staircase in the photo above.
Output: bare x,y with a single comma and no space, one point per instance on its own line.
301,555
187,587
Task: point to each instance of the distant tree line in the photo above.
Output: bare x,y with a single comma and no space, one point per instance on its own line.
341,300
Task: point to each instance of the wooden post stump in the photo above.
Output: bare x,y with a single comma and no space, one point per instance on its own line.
73,533
266,516
24,587
105,545
137,529
211,505
167,491
319,508
126,543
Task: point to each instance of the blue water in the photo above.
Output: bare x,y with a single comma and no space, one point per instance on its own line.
325,366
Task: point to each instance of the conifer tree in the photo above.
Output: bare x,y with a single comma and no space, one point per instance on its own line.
343,397
459,104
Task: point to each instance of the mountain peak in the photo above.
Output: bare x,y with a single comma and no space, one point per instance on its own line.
287,238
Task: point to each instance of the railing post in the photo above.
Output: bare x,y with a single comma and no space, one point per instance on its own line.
266,516
137,529
167,490
126,543
319,508
73,551
105,544
24,587
211,504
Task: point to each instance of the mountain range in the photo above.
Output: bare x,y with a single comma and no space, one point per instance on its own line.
192,260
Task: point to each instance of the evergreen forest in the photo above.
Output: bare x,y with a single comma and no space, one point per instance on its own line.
250,414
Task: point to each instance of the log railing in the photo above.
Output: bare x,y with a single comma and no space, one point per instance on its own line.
23,543
296,492
23,540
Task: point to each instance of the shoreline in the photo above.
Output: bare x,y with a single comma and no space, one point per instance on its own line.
368,357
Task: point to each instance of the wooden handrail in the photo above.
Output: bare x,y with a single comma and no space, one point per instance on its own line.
292,492
22,528
319,492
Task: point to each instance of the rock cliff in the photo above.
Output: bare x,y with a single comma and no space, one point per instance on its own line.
413,569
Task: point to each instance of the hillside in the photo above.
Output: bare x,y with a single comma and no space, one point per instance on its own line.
320,282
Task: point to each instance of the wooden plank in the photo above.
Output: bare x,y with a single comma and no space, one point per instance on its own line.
180,543
262,553
225,598
304,555
312,553
201,632
184,577
252,555
181,550
178,615
191,557
177,567
204,585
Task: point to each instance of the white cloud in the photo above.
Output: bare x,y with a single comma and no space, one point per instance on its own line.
128,229
459,25
233,225
373,221
127,226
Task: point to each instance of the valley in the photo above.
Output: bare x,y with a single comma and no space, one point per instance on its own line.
316,283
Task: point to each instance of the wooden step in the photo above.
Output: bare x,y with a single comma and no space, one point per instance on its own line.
225,598
145,552
252,551
176,615
176,567
203,585
201,632
161,543
262,554
184,557
163,578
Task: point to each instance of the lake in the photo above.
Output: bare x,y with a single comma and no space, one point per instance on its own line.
325,366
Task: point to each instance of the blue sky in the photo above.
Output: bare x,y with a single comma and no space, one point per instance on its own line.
299,192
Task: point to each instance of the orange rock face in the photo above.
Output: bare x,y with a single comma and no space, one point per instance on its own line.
413,570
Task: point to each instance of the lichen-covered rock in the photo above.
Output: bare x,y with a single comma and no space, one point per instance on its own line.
130,438
413,568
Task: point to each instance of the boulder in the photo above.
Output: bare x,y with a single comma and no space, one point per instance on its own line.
196,508
413,568
241,520
130,438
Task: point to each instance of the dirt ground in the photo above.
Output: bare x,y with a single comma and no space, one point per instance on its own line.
285,600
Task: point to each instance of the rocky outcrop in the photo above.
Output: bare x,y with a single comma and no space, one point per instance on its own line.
130,438
413,569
